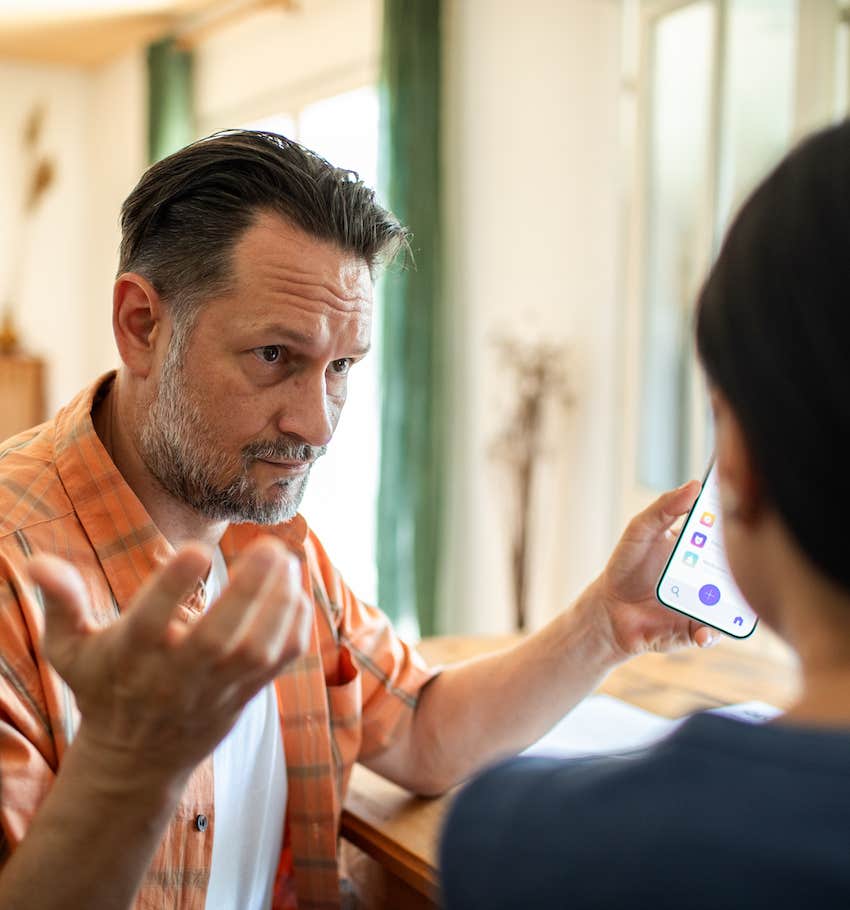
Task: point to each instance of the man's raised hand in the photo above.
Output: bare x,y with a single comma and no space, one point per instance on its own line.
156,694
634,619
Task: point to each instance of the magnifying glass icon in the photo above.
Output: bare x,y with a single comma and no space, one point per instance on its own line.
675,590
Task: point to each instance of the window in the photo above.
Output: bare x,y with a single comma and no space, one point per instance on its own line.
721,114
678,169
340,500
721,89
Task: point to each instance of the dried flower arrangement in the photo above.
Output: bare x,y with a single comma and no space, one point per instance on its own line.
540,377
40,176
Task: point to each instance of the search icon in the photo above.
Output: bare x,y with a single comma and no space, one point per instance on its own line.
675,590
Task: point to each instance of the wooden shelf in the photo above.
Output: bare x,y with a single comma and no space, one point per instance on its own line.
21,393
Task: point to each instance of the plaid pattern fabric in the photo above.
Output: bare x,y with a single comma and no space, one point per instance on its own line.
61,493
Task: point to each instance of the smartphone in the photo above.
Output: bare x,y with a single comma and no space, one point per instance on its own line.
696,580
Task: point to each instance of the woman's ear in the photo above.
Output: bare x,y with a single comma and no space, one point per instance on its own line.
137,315
740,491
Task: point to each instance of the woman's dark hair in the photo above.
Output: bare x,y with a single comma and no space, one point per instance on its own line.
180,224
773,325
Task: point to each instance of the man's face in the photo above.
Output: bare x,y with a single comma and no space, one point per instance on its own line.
242,412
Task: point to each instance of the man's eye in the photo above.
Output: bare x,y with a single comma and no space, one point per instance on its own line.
269,353
341,366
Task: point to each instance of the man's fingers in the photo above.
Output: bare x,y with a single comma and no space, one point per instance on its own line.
293,639
664,512
293,643
265,579
703,636
305,626
65,603
279,615
67,617
154,605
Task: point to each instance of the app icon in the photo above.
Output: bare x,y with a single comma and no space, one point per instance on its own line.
707,519
698,540
709,595
738,621
690,559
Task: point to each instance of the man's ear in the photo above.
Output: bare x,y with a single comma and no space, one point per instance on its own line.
740,489
137,322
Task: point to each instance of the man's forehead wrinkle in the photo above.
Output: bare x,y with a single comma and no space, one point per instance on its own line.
345,297
361,328
324,293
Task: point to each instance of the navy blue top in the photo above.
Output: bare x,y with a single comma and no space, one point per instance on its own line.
722,814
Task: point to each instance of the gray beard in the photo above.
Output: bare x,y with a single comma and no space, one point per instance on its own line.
175,445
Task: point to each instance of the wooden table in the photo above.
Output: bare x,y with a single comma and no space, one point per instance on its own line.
390,837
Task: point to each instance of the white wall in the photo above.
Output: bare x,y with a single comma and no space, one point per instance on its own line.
531,165
51,287
93,131
247,71
116,156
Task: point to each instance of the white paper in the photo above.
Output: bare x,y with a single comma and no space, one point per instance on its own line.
752,712
602,724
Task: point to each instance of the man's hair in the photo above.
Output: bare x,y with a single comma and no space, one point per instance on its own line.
181,222
773,328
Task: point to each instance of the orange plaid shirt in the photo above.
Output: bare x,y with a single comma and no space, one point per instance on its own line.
60,493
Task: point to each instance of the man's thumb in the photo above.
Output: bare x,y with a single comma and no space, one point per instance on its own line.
668,508
65,603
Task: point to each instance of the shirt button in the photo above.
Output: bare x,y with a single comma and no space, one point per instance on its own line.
201,822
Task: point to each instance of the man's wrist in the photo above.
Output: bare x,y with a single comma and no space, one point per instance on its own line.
592,624
114,774
584,633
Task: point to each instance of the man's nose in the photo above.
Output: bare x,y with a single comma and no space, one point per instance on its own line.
305,412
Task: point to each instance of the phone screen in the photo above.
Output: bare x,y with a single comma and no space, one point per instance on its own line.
696,580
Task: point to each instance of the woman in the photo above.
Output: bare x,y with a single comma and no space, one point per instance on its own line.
725,814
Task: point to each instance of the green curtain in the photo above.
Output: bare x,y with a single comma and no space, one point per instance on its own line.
412,437
171,121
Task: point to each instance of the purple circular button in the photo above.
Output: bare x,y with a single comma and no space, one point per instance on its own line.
709,595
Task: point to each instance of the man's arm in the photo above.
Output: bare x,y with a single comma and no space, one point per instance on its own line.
155,697
482,710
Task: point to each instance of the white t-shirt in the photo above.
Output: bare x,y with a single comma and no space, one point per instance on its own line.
250,796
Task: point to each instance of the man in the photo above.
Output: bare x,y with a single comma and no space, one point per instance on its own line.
191,749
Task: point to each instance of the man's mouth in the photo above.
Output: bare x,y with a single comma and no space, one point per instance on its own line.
293,467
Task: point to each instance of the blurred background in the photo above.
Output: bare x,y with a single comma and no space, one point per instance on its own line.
568,168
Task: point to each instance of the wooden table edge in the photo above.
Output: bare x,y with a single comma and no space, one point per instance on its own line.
391,855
